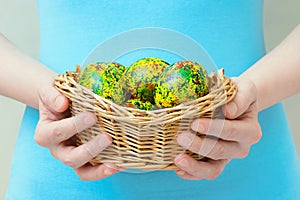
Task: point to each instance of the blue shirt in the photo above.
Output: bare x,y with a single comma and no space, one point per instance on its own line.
231,31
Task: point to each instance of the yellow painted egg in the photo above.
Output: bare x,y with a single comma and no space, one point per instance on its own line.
138,83
101,77
181,82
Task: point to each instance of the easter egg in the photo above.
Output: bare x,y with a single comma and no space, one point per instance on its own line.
181,82
139,80
142,105
101,77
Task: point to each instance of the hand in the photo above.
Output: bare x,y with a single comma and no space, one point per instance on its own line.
232,137
56,131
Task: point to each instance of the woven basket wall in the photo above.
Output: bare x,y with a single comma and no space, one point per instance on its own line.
143,139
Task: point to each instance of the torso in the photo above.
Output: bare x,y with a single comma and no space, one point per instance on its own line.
230,31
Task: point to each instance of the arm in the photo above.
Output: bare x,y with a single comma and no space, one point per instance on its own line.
277,75
273,78
26,80
21,75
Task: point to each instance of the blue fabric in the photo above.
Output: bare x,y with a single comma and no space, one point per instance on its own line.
230,30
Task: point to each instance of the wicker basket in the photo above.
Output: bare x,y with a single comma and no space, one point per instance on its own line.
143,140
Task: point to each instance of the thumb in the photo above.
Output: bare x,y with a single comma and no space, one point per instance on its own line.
53,99
245,96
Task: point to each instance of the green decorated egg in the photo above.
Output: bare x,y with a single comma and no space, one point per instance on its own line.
138,83
183,81
142,105
101,77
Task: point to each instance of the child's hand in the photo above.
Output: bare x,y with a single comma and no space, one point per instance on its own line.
235,135
56,129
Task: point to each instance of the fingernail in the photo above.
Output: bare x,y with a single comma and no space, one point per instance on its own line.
231,108
107,172
180,161
59,101
111,165
184,140
180,173
197,126
83,121
89,120
183,163
103,141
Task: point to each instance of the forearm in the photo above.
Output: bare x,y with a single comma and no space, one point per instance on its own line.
21,76
277,75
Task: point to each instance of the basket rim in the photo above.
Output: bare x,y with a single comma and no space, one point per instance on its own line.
136,113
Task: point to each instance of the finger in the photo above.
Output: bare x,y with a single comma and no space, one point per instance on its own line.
184,175
54,100
247,130
197,170
246,95
89,172
76,157
211,148
50,133
47,114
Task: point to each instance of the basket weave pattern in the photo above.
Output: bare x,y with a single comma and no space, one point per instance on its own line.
142,139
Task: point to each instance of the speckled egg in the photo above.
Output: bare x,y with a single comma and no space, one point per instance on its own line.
137,103
101,77
181,82
139,81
